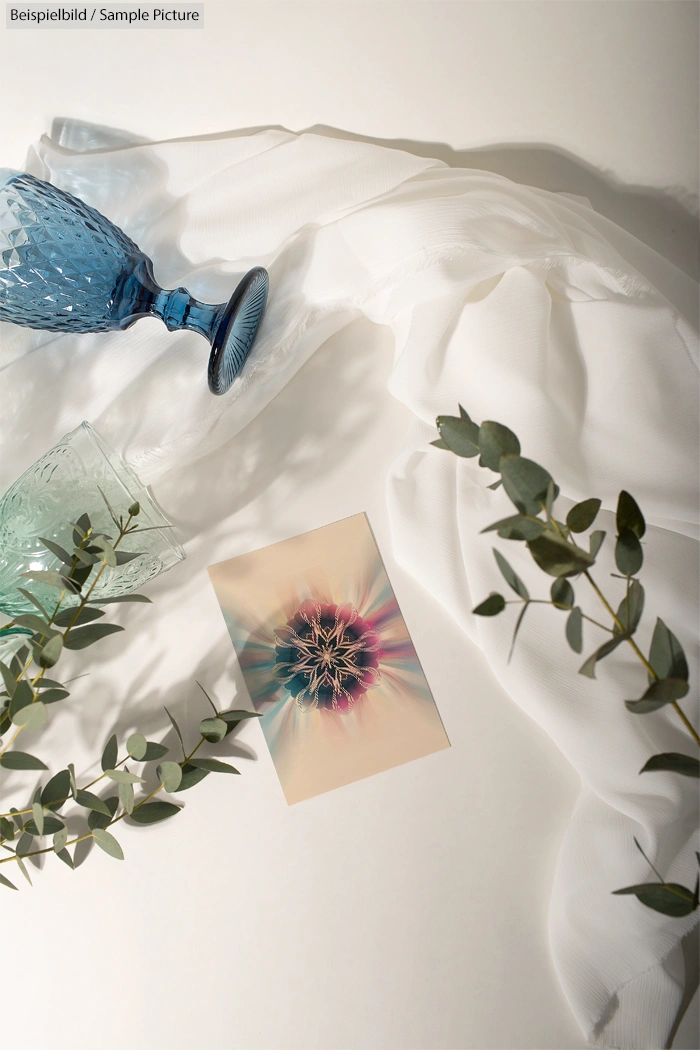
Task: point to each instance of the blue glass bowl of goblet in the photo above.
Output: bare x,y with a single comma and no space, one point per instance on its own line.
64,267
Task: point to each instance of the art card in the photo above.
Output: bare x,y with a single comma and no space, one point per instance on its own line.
327,658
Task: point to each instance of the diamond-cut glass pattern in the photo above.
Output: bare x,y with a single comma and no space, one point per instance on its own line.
61,262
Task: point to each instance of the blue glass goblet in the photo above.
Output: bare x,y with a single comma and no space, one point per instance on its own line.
64,267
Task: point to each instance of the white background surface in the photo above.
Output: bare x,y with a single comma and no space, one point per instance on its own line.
367,917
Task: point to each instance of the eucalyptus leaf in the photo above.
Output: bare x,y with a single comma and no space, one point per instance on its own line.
672,762
123,776
574,629
24,844
629,555
8,679
75,618
6,882
57,790
439,443
65,857
73,785
81,637
525,483
491,606
35,602
666,654
667,897
108,843
59,840
588,667
212,765
109,755
38,814
494,441
582,516
32,716
49,827
126,796
36,624
459,434
52,696
665,691
518,622
556,557
191,775
20,760
99,820
629,516
87,800
595,542
57,549
153,751
7,830
22,697
122,557
170,775
562,594
51,579
153,812
511,578
137,746
23,869
123,598
517,527
212,729
238,716
50,653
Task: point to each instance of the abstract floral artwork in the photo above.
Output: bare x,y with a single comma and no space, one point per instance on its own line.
327,658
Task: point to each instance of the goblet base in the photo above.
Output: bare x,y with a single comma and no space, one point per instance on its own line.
236,330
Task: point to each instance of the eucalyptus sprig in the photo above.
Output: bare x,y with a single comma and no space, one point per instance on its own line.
28,695
555,549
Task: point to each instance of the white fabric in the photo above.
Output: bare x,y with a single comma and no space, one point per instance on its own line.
528,308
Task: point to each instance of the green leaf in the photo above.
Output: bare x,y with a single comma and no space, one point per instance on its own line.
32,716
20,760
153,752
94,632
109,755
562,594
137,745
495,485
672,762
153,812
22,697
123,598
177,729
7,830
123,776
52,696
66,858
595,542
441,444
58,550
108,843
212,765
582,516
525,483
170,775
73,785
667,897
24,844
6,882
125,556
665,691
51,579
59,840
494,441
38,814
630,609
511,578
108,553
126,796
459,434
99,820
517,527
238,716
212,729
36,624
629,516
558,558
57,790
574,629
50,826
22,868
85,557
491,606
8,679
552,493
520,619
87,800
19,824
191,775
35,602
588,668
50,653
666,655
86,615
629,555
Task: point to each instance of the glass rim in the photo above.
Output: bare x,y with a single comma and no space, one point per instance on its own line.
109,454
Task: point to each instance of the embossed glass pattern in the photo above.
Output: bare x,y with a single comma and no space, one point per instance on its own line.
64,267
63,484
